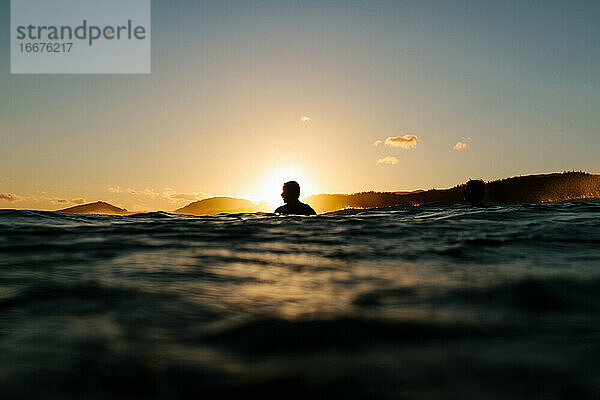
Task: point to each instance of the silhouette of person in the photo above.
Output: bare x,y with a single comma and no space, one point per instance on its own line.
474,192
291,194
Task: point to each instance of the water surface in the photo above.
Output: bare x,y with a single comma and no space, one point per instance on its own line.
437,301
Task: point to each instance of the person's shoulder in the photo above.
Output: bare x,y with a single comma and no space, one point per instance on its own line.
308,209
280,209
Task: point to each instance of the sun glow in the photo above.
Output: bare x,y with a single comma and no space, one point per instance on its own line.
268,187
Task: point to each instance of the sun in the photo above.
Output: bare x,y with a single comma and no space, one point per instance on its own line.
268,187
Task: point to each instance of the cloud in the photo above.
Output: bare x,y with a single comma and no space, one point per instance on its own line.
150,193
59,201
188,196
406,141
116,189
168,194
305,118
377,143
388,160
43,197
460,146
146,194
10,197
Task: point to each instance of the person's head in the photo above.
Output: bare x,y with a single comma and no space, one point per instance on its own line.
291,192
474,192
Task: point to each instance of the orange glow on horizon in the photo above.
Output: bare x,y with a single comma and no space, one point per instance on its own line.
268,186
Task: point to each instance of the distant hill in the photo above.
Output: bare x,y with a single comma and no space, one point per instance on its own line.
216,205
98,207
522,189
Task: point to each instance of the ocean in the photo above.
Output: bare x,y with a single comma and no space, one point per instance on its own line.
438,301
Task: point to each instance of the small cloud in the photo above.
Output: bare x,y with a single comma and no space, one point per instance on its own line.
116,189
305,118
460,146
150,193
188,196
377,143
388,161
145,194
10,197
168,194
405,142
78,201
59,201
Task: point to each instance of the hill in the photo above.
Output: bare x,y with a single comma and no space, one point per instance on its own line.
522,189
216,205
98,207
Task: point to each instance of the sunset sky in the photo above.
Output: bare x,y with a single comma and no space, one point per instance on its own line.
342,96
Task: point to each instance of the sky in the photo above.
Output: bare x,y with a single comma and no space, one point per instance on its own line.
343,96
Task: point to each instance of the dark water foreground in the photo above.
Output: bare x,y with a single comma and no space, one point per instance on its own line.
431,302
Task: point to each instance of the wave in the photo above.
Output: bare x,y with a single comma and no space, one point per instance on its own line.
530,294
404,302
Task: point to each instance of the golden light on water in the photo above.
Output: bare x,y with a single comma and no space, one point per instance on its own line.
268,186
